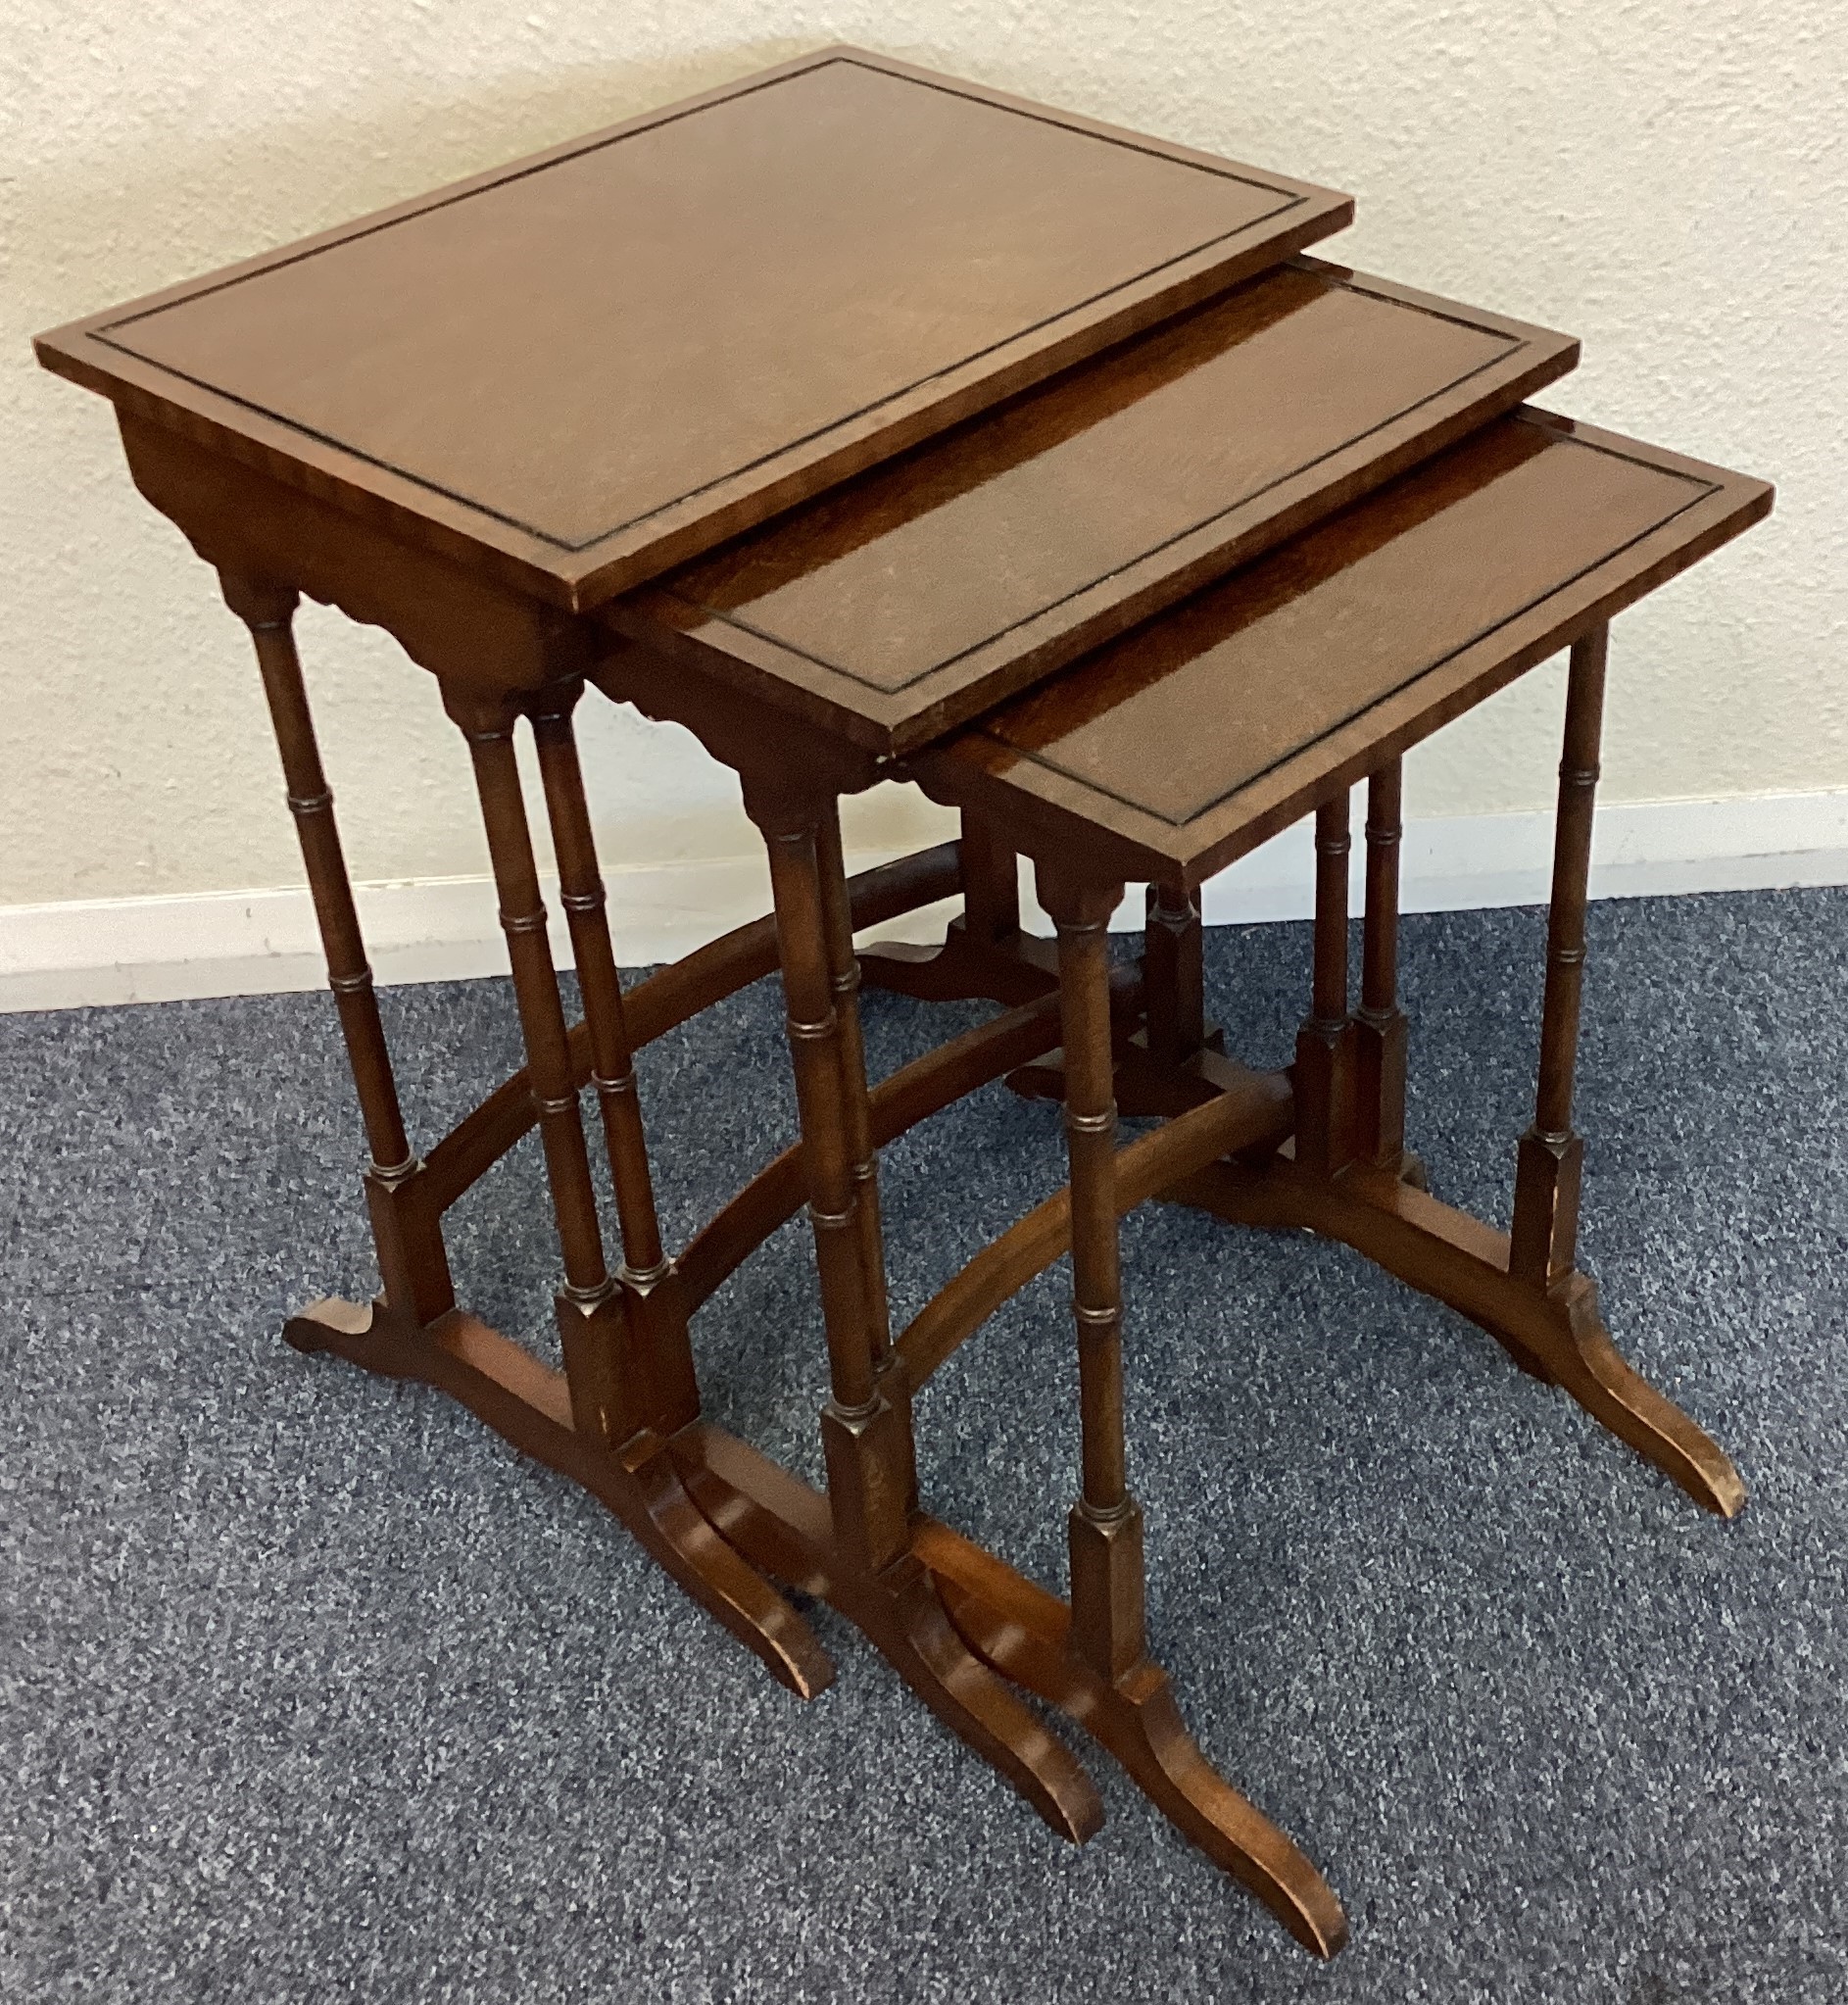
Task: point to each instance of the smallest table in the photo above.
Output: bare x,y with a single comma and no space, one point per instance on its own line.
1181,748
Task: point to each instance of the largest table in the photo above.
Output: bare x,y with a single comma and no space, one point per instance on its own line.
491,419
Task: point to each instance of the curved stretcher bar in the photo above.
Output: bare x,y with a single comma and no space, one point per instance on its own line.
916,1091
1257,1110
668,997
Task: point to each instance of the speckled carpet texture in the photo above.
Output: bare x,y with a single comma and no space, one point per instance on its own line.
312,1689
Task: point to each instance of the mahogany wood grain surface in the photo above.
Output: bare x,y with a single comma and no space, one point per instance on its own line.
597,361
1053,379
1189,742
912,599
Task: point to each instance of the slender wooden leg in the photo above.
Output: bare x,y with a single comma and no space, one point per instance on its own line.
1522,1287
1102,1672
605,1402
991,883
844,979
1380,1029
1174,976
407,1228
1325,1044
1106,1524
1545,1235
651,1291
874,1576
608,1395
869,1485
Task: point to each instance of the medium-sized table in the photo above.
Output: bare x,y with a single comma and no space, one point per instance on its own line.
1103,514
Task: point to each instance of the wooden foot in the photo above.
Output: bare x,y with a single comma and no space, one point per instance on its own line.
785,1528
1556,1334
530,1405
984,953
1024,1632
1007,1626
904,1615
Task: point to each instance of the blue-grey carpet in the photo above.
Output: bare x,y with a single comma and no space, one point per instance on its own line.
312,1689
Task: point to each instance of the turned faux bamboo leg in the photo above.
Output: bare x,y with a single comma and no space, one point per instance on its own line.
1545,1234
1325,1044
1106,1525
656,1312
1174,975
1095,1663
844,980
1524,1290
873,1575
407,1230
1380,1030
866,1439
604,1402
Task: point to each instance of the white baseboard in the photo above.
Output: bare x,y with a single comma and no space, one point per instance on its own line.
1647,849
154,950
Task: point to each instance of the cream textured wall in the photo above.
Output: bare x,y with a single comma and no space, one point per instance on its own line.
1668,178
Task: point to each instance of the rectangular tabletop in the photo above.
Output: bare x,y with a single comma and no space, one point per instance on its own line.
596,362
1189,742
910,600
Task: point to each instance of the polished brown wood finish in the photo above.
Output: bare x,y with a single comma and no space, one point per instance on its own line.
912,599
654,1311
501,371
1551,1157
1325,1044
1175,751
406,1226
475,419
1499,564
468,630
1380,1028
874,1574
